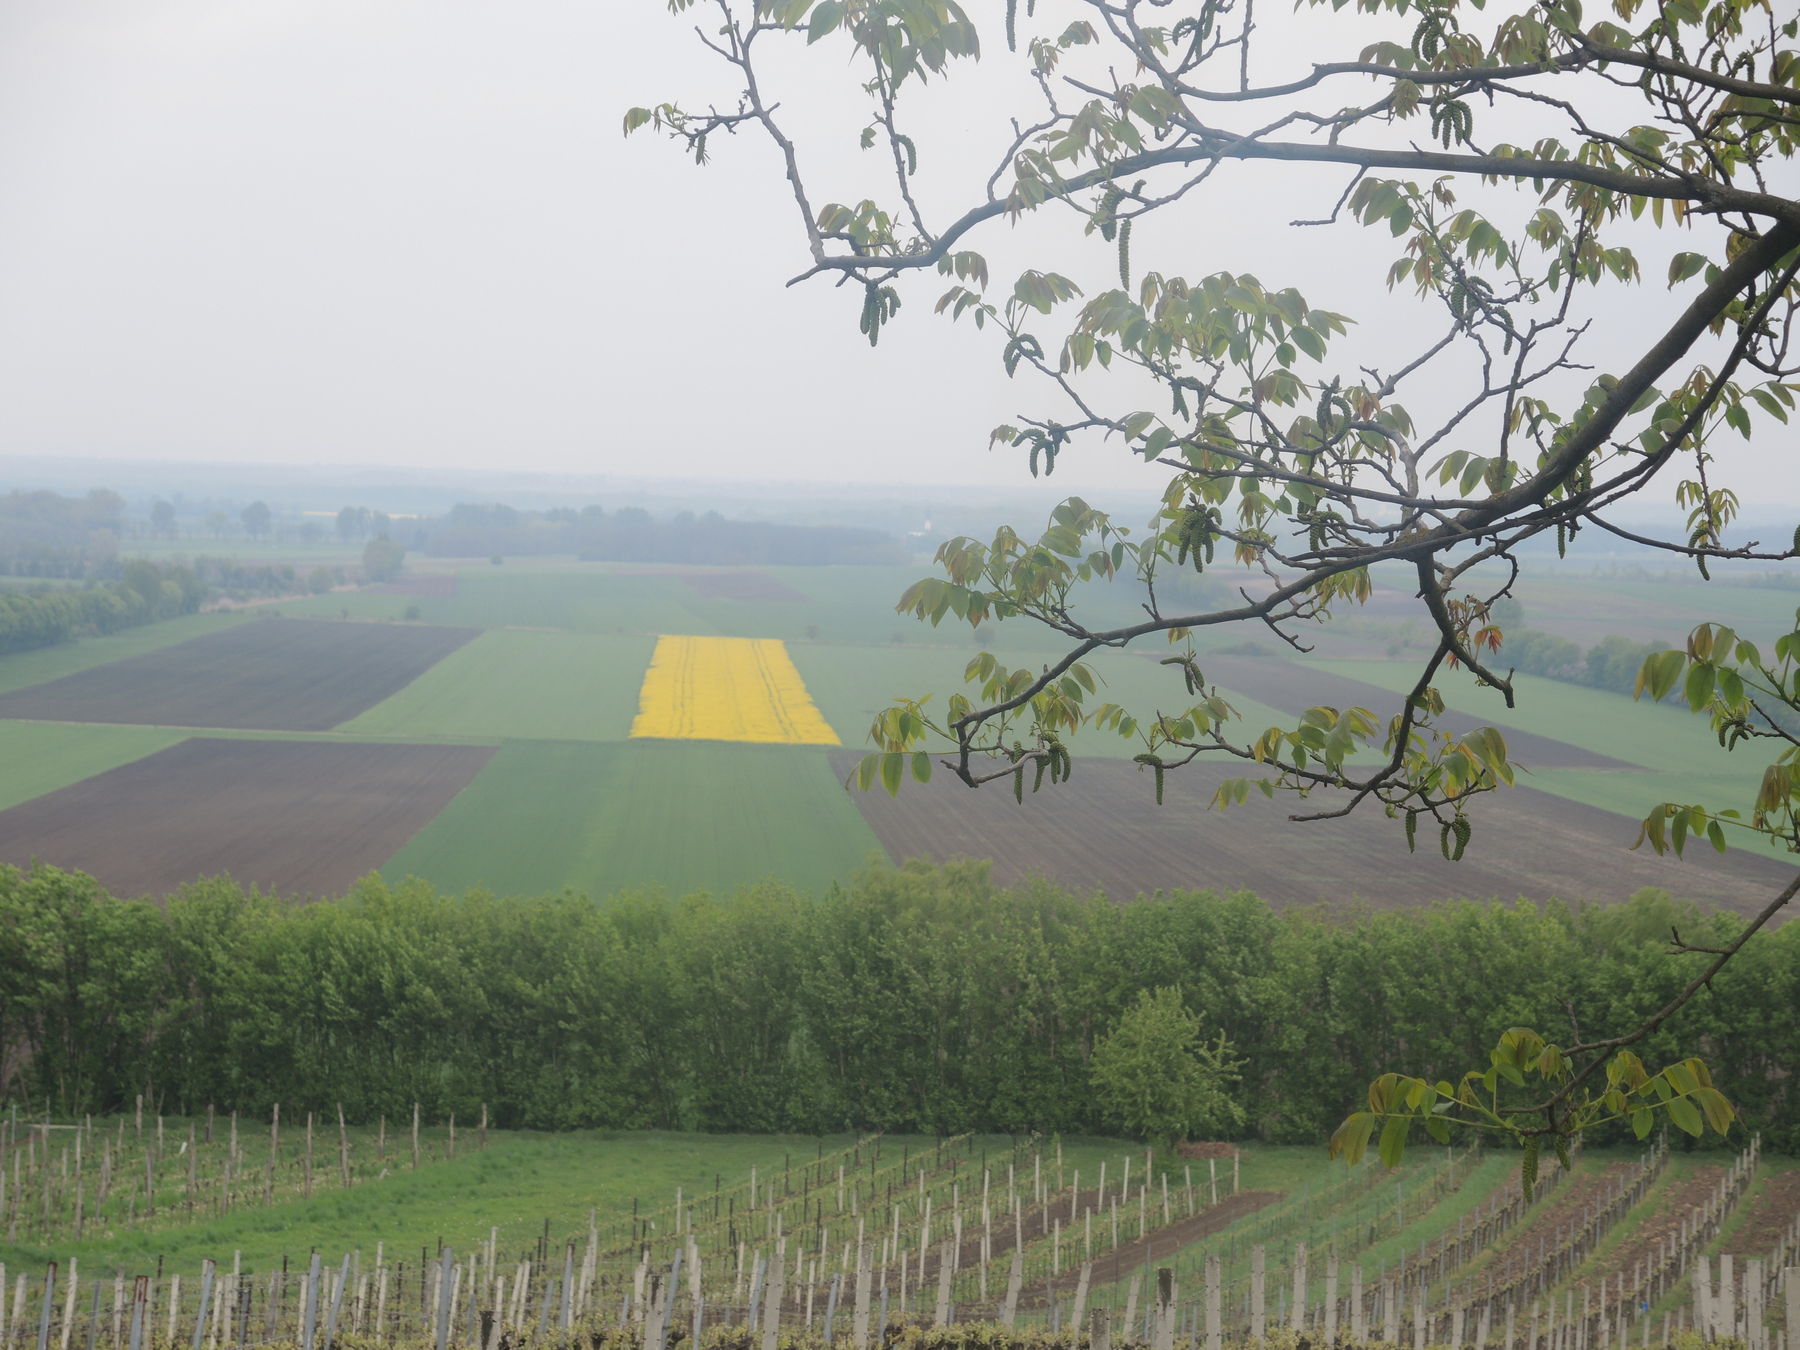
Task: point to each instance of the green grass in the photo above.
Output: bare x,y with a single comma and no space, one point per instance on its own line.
1661,737
520,685
1631,795
21,669
679,815
521,1180
40,757
518,1182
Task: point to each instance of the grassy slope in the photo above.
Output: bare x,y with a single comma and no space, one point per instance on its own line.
522,685
680,815
20,669
40,757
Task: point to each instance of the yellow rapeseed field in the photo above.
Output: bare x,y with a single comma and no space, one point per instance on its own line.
727,689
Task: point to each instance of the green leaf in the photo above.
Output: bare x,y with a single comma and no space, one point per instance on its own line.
1351,1139
1686,1116
825,18
1393,1140
892,766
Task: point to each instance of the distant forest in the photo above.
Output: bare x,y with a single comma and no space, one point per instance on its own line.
630,534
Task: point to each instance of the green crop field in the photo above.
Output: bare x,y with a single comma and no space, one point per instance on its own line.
41,757
677,815
1662,737
520,685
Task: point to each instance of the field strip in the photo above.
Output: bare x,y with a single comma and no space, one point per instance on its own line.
727,689
298,817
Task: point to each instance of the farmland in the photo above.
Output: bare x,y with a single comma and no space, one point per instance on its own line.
553,667
1444,1249
727,689
291,816
1140,848
276,675
673,816
514,684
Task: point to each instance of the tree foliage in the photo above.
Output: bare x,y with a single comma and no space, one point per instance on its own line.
921,999
1517,166
1158,1076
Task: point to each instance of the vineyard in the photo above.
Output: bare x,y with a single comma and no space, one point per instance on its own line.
877,1238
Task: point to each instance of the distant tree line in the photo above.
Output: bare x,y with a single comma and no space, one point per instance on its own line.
1611,663
144,593
48,535
631,534
920,999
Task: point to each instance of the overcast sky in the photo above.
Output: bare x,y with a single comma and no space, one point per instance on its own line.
409,232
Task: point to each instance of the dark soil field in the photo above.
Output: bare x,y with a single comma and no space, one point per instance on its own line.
1103,830
1665,1215
1772,1212
1294,689
300,817
271,675
1143,1252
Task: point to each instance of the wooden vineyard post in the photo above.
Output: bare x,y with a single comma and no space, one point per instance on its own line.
1165,1309
859,1333
1081,1298
68,1318
274,1145
946,1256
1297,1309
777,1278
1212,1176
1009,1310
452,1149
1259,1294
445,1284
343,1148
1331,1295
1100,1333
1359,1320
306,1173
1214,1295
415,1137
483,1137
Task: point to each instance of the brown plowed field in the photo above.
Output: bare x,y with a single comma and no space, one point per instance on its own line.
1293,689
1103,830
271,675
1144,1251
1566,1206
1665,1211
1772,1210
299,817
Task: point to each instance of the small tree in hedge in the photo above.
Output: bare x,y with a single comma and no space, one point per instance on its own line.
1158,1076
